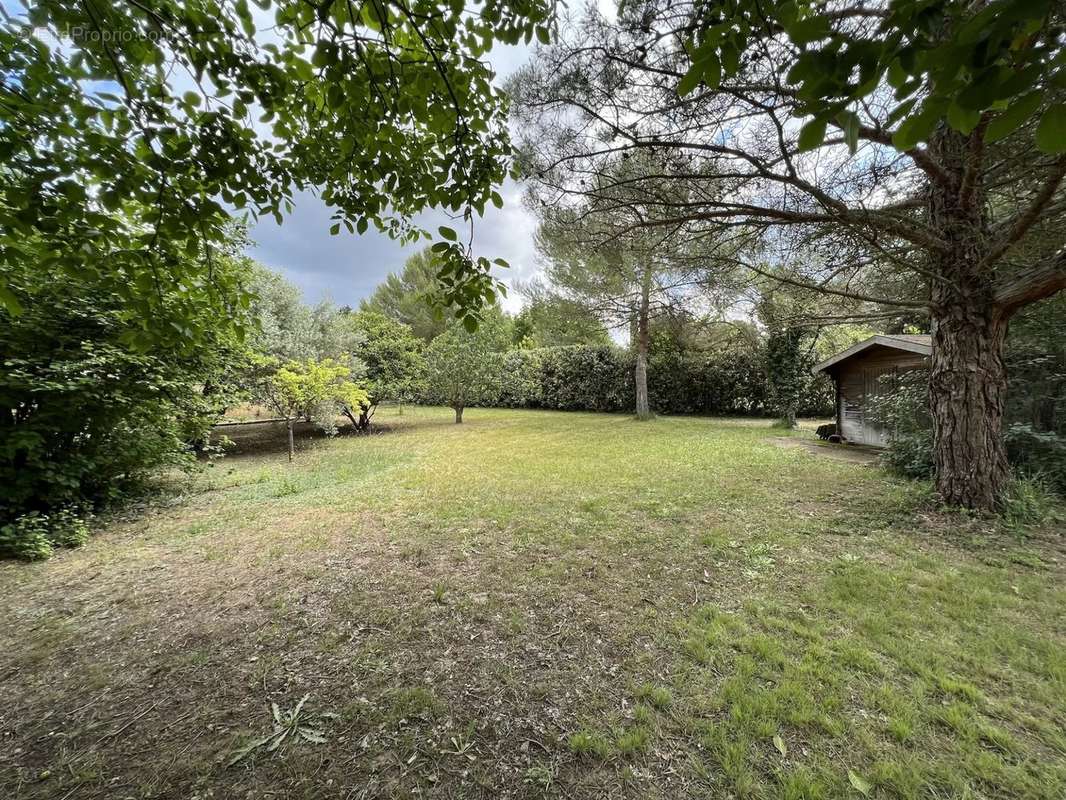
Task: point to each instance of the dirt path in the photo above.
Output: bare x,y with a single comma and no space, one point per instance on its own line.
839,452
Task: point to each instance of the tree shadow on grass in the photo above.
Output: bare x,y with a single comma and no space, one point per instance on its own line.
265,438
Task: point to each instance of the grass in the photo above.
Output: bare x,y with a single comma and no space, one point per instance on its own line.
538,604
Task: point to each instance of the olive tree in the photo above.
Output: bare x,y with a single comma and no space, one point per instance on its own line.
464,367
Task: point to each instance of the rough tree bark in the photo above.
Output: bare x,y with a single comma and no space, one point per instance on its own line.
458,415
967,394
640,373
968,379
788,418
292,447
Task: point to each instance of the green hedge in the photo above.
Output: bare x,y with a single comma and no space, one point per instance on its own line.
600,378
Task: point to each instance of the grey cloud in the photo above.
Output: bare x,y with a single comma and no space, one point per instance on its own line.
347,267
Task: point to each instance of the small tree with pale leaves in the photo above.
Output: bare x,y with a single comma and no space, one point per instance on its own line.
315,390
464,367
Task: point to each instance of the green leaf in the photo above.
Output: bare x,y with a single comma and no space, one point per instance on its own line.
9,301
690,80
323,55
779,743
544,35
809,29
901,110
964,120
1005,123
812,134
1051,132
897,75
448,233
244,14
860,783
712,72
849,124
334,229
915,128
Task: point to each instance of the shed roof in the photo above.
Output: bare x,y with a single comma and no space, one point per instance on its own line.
909,343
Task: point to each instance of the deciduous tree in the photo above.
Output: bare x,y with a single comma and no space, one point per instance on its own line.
393,359
129,130
313,390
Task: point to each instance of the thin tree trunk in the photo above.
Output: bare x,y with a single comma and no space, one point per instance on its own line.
458,415
640,373
292,447
967,379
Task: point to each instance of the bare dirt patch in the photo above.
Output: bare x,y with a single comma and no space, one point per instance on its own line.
840,452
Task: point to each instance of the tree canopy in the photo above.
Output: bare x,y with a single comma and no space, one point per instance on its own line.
392,355
906,157
464,368
130,133
403,296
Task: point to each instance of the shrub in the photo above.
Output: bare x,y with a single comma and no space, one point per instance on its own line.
600,378
586,378
520,387
910,455
26,537
904,412
1028,501
67,529
89,409
35,536
1038,453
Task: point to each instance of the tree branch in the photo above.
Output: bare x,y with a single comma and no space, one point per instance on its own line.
1032,284
1022,222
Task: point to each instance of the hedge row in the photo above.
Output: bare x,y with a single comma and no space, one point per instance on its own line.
600,378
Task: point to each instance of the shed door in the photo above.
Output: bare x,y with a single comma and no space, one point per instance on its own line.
851,402
876,381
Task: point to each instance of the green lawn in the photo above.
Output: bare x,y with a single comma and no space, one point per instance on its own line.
539,604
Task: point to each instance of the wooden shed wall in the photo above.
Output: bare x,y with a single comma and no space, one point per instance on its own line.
871,372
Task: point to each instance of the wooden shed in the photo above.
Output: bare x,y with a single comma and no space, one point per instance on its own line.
871,367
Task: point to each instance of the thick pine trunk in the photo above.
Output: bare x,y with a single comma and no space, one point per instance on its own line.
967,393
967,380
640,373
458,415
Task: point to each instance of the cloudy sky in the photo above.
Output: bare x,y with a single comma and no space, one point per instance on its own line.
347,267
